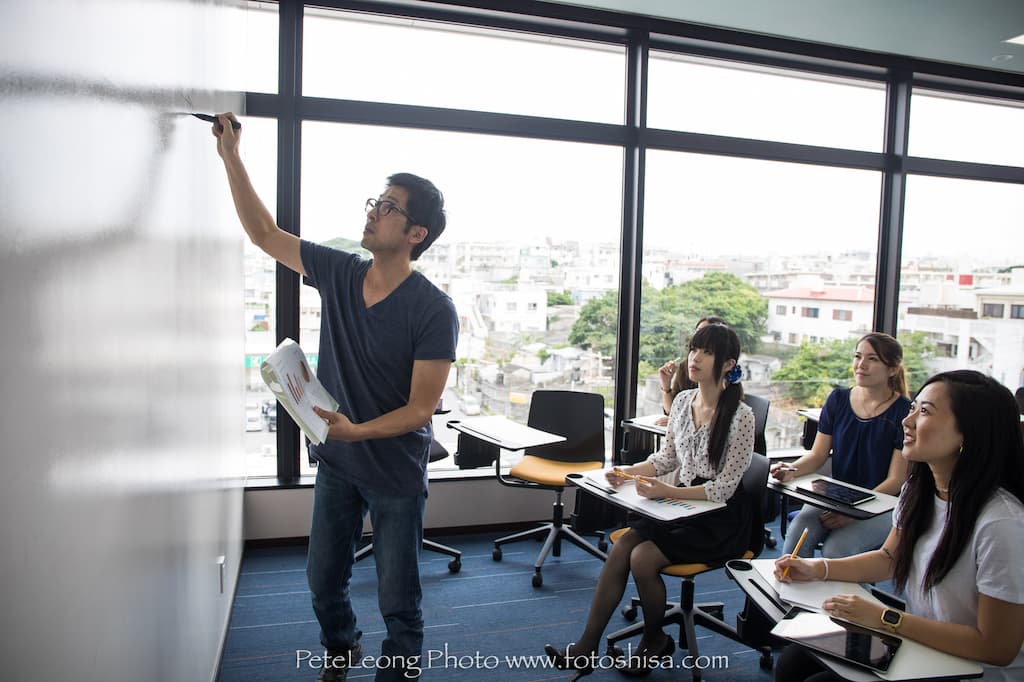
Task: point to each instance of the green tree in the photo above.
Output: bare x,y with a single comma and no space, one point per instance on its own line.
810,375
727,296
816,369
344,244
917,351
556,298
667,316
595,327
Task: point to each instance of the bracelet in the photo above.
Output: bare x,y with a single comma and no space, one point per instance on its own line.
825,562
666,390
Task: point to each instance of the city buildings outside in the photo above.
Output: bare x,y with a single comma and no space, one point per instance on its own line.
517,305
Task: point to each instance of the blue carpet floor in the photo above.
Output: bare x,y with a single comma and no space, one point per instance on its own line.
486,621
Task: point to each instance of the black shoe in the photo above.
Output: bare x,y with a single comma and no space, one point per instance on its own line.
646,659
337,662
583,665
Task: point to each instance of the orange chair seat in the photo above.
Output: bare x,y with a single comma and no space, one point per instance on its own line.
547,471
680,570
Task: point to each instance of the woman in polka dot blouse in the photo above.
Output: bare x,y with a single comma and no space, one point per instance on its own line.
708,443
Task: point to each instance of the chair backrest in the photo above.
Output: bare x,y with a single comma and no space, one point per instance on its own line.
755,486
760,407
576,415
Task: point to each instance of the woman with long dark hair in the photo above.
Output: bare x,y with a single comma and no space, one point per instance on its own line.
957,543
673,376
709,440
860,430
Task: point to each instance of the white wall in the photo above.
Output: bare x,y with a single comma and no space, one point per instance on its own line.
122,343
285,513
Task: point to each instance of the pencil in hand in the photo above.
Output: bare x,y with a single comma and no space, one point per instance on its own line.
620,472
803,536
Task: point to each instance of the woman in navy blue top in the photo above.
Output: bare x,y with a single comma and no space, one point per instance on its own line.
861,428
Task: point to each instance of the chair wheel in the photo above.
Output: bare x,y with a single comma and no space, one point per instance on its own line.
770,543
614,651
454,566
629,613
538,580
766,659
496,554
602,545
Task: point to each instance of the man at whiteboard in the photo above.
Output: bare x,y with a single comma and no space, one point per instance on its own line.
387,342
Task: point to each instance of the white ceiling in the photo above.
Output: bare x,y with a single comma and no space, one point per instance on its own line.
969,32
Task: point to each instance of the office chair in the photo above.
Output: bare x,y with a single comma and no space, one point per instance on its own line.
760,407
437,451
685,612
579,417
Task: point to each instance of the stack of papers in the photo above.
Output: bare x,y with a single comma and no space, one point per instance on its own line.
663,509
808,595
289,377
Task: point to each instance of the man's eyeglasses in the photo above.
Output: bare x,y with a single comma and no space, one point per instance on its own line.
384,208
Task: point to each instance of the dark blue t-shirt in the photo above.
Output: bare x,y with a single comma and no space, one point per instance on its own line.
366,359
862,448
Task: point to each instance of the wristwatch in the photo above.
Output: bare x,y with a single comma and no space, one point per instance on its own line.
892,619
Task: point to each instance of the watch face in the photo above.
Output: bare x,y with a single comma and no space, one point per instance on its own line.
891,617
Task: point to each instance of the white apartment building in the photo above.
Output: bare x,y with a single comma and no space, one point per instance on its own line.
514,309
973,327
813,311
664,272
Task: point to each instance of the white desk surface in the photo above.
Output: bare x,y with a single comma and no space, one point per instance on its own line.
646,423
594,482
504,432
913,660
812,413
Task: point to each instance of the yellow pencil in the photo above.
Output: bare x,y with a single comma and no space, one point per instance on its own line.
795,550
625,475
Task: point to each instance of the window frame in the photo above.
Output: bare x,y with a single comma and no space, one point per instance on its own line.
639,35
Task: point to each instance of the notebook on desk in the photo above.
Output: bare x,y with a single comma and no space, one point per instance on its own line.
626,496
835,491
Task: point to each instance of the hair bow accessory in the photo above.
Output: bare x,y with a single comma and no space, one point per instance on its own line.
735,374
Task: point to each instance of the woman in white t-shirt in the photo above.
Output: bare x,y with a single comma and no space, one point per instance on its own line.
957,545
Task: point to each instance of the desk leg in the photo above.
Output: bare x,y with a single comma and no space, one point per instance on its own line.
783,514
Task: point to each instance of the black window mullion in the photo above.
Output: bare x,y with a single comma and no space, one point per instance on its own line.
894,184
627,341
288,181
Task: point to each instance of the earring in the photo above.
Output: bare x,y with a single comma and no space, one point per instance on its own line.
961,448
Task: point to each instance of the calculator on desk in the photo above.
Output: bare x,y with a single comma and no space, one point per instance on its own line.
837,492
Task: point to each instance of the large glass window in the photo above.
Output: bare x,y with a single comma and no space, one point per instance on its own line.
528,242
772,248
960,128
261,41
785,252
724,98
259,152
382,59
961,270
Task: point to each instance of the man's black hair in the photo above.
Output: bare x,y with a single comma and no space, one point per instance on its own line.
425,205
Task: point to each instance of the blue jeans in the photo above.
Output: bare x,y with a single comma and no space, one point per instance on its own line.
338,511
853,538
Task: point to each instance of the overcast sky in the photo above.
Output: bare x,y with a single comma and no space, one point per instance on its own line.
514,189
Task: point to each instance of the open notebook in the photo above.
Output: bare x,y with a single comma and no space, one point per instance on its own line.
625,495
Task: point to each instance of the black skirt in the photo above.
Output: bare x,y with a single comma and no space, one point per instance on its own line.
711,538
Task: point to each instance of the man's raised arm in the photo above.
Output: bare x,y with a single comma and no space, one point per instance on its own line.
255,218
